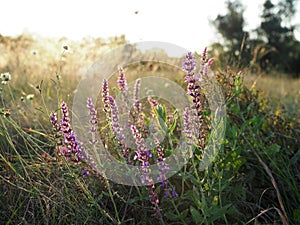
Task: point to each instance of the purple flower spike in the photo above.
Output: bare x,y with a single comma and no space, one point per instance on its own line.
65,112
205,64
142,155
93,120
72,148
115,124
54,122
105,95
137,104
152,102
193,86
189,64
187,126
204,55
122,83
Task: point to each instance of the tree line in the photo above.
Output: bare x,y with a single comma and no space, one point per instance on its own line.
274,46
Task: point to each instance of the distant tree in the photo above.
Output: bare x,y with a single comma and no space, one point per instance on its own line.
231,27
275,29
276,46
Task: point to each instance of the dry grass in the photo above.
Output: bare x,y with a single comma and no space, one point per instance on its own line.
284,92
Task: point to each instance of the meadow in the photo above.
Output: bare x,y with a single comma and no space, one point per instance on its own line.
45,177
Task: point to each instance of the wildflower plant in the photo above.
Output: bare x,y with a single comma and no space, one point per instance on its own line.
151,145
142,153
69,146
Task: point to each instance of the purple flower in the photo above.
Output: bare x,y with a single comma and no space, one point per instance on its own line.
192,80
152,102
105,96
54,122
142,155
193,87
163,169
187,126
137,104
115,124
152,193
71,148
174,193
205,64
93,120
122,83
84,172
189,64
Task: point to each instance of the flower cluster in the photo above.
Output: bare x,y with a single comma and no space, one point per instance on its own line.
93,120
187,126
143,155
5,77
137,104
71,148
55,124
115,124
122,83
105,96
194,88
189,65
205,64
152,101
163,169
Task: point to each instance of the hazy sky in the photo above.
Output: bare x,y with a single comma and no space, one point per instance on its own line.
182,22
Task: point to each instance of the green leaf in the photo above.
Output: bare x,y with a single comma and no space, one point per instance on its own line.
161,112
174,217
172,127
70,176
163,125
196,197
296,214
273,149
218,212
198,219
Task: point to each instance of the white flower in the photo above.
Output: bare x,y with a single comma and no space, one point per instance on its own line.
34,52
66,47
5,77
30,97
